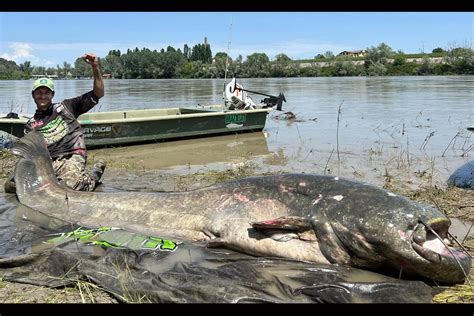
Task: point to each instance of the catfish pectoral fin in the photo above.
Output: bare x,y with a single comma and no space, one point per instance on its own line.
296,223
241,237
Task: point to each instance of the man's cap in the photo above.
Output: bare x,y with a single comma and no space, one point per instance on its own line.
44,82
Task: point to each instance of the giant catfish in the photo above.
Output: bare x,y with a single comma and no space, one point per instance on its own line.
304,217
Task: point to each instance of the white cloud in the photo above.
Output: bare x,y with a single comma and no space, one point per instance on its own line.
19,52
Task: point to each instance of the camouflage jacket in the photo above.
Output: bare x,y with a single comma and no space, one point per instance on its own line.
60,127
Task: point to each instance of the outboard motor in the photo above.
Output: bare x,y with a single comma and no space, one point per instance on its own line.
236,97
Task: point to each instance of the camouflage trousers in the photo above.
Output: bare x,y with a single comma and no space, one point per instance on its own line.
72,172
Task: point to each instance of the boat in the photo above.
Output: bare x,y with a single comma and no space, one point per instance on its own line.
126,127
148,125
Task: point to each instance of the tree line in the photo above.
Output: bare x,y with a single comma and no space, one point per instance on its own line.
197,62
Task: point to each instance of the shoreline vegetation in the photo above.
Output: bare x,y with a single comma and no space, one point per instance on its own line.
199,62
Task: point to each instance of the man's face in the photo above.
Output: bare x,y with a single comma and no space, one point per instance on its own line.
43,97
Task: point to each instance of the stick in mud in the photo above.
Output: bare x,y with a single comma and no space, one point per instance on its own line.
337,130
327,162
427,138
457,134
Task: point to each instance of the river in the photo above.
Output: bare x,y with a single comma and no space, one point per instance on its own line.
386,125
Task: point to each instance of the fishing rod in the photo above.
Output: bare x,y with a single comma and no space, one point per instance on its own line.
270,101
227,59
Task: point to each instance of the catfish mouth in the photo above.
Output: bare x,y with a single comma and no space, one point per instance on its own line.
432,243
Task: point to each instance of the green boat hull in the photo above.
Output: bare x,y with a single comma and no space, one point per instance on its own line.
141,126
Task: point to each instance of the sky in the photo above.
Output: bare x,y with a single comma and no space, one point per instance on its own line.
52,38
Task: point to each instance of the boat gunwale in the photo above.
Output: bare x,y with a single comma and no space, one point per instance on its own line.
84,121
166,116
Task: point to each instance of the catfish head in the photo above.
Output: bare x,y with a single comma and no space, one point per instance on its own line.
371,227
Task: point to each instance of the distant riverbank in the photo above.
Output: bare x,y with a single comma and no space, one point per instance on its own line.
200,63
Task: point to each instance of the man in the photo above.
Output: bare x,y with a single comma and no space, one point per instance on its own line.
63,134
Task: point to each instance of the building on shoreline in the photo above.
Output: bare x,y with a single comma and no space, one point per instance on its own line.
353,53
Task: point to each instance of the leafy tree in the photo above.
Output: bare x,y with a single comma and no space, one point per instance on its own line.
170,61
81,69
281,66
208,53
114,53
461,59
426,68
377,58
401,68
221,63
186,51
186,70
329,71
9,70
59,70
201,52
399,60
438,50
256,65
26,68
312,71
380,54
39,70
376,69
345,68
220,55
193,69
282,58
66,69
112,64
329,55
237,66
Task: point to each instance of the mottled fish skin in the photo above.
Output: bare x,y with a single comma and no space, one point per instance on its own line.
327,219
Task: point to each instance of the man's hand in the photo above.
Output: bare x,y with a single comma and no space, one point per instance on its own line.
98,87
91,59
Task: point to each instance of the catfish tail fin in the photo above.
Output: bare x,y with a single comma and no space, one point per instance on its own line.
34,171
30,146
